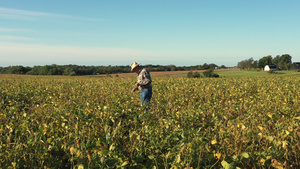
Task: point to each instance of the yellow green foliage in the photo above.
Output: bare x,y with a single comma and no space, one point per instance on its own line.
191,123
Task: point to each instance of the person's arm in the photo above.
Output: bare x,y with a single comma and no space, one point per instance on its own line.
134,89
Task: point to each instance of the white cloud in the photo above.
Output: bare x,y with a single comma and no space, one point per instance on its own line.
15,17
21,12
17,14
14,38
14,30
14,53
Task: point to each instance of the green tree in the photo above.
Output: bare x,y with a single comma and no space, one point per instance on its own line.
196,75
246,64
205,66
285,62
255,64
212,66
69,71
190,74
223,67
266,60
171,67
210,73
34,71
276,60
193,74
17,70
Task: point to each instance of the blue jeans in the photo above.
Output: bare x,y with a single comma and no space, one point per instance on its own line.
146,95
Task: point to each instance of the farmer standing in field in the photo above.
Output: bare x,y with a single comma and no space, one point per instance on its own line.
143,83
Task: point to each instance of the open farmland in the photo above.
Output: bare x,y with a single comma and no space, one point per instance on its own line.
90,122
170,73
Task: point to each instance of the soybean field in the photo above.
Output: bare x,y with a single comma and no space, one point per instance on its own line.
90,122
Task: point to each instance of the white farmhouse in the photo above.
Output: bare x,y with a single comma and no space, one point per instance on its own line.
270,67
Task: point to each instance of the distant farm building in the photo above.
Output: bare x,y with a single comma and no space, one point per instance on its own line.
270,67
296,65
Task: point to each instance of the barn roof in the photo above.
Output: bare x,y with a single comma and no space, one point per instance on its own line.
272,66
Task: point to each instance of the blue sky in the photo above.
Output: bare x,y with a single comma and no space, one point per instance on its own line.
118,32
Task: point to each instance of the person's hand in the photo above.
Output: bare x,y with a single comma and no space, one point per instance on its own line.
137,84
134,89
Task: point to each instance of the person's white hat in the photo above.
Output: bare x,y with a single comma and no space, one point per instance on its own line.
134,65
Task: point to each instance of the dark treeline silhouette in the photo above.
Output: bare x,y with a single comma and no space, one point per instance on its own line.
73,70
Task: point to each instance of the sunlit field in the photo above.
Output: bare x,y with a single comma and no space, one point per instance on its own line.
97,122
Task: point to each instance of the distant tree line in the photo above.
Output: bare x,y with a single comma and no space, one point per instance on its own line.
74,70
283,62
